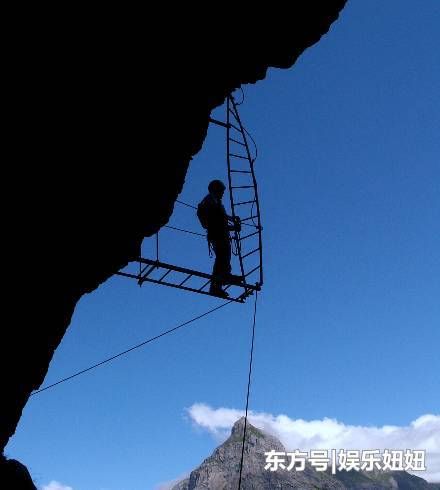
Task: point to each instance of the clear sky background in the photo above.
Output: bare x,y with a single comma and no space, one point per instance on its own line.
348,321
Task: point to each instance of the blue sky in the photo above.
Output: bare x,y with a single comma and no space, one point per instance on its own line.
348,321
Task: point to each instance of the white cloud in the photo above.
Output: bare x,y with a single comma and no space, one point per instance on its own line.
55,485
422,433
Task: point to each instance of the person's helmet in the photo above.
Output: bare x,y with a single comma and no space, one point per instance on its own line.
216,186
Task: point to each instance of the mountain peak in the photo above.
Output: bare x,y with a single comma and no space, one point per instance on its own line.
221,470
240,421
254,437
239,425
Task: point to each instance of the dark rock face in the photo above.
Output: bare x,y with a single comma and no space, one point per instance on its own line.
221,470
109,106
14,475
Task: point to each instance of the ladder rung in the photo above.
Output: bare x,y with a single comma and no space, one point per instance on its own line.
242,187
204,285
244,202
248,219
149,271
186,279
237,156
250,253
165,275
238,142
241,171
253,270
248,236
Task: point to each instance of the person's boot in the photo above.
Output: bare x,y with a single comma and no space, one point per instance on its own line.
235,280
222,293
216,290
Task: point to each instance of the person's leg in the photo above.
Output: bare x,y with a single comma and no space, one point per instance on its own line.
215,282
222,264
227,259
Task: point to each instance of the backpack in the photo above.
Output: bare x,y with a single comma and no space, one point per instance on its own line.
203,213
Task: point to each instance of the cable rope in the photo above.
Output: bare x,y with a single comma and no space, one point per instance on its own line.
251,357
242,97
185,231
186,204
255,144
137,346
252,212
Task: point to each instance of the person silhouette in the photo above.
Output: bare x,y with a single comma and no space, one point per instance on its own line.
215,220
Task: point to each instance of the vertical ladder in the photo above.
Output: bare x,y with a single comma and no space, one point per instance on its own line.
243,189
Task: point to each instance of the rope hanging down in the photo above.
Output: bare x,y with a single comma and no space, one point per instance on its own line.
141,344
248,388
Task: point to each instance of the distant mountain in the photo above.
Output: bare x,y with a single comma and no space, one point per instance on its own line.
220,471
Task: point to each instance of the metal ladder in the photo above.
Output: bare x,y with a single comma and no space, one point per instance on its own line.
243,192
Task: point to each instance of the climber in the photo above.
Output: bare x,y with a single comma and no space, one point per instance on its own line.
213,217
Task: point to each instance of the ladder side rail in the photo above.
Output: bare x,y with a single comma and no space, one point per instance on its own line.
257,204
228,159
